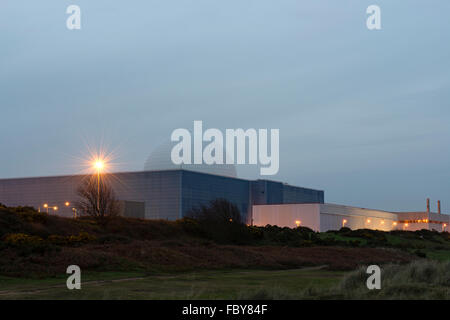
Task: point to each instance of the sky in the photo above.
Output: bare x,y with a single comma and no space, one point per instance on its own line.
363,115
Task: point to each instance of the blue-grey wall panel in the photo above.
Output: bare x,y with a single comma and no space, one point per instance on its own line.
199,189
292,194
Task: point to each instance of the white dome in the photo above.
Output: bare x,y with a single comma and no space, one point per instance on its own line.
160,159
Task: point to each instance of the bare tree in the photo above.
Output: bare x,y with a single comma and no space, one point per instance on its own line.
219,210
97,198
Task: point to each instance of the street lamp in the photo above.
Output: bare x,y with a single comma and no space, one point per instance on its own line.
46,206
99,165
344,222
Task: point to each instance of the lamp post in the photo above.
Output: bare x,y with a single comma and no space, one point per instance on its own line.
46,206
67,204
99,164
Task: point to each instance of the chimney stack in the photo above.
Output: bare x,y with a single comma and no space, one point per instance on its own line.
439,206
428,205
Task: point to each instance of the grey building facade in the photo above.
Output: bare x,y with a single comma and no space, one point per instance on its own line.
166,194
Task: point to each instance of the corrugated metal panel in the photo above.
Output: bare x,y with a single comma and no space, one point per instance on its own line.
199,189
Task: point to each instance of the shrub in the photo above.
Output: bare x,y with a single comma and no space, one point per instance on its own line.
113,238
22,239
82,237
29,214
344,230
220,221
18,239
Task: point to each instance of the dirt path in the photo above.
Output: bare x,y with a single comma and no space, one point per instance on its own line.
34,291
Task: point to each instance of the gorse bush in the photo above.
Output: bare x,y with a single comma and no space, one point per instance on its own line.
22,239
19,239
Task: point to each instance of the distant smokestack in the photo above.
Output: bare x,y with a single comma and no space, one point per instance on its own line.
439,206
428,205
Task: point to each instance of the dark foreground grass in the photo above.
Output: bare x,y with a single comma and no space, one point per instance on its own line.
225,284
422,279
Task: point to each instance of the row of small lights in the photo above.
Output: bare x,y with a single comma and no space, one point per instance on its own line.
344,221
55,208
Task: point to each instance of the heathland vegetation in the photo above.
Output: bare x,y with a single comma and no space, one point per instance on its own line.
35,245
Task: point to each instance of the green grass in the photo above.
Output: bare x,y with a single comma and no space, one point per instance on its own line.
421,279
225,284
440,255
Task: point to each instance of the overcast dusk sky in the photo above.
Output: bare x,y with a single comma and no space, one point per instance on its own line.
363,115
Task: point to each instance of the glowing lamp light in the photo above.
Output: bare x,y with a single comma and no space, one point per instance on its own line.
67,203
298,223
45,205
394,223
55,208
344,222
368,220
382,221
99,165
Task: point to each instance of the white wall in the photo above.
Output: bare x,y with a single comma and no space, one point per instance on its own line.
322,217
332,217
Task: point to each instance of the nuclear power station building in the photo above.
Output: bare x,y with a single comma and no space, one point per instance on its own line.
166,191
165,194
